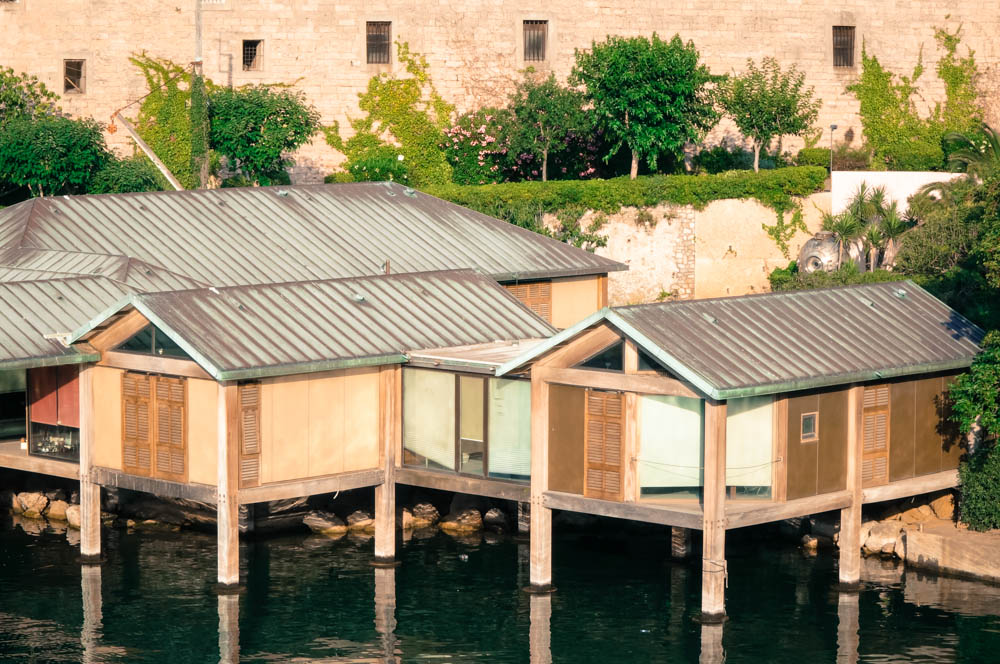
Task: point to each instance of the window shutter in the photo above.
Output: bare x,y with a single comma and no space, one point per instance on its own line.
536,295
603,473
875,436
171,455
249,434
136,443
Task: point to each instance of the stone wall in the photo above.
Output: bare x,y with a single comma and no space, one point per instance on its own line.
474,47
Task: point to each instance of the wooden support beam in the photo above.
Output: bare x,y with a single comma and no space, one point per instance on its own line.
475,486
12,456
90,492
630,358
665,516
630,485
713,564
385,493
583,347
741,517
540,576
118,331
312,486
171,366
850,516
780,429
203,493
227,512
913,486
644,383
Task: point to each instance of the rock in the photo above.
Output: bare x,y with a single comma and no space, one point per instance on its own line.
900,549
917,514
882,538
57,510
73,516
360,521
810,542
466,521
152,525
32,504
57,494
495,519
30,526
425,515
464,501
404,519
944,506
325,523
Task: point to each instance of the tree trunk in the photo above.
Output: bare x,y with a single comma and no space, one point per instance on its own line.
545,165
756,157
634,171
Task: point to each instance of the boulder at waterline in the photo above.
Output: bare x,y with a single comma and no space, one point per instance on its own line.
56,510
495,519
882,538
360,521
944,506
466,521
325,523
32,504
73,516
424,515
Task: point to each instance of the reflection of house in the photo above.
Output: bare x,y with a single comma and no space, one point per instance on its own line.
718,414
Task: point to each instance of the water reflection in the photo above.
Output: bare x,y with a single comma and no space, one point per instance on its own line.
847,628
93,611
540,630
229,629
712,651
385,612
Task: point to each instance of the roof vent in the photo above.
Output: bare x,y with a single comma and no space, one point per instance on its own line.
710,318
213,289
900,293
358,297
411,192
283,192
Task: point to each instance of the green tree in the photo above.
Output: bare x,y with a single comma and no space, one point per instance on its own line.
119,176
653,96
51,155
766,103
546,114
24,95
255,127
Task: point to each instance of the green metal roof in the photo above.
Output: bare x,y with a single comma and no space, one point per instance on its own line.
785,342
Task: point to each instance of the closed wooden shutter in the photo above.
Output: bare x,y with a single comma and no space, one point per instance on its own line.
171,455
875,433
249,434
603,454
137,450
536,295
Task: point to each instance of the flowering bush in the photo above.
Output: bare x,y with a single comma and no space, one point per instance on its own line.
477,146
576,159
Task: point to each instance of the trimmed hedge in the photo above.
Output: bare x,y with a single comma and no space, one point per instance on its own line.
814,157
775,189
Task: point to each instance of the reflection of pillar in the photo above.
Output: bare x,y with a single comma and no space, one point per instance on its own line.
385,611
847,630
90,635
850,516
90,493
523,518
540,632
541,516
713,565
229,628
680,542
712,651
227,512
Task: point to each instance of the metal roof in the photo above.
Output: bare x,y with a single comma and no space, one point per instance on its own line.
254,235
480,358
279,329
32,310
782,342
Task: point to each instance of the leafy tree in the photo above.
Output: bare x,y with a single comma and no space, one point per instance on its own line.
766,103
52,155
255,126
652,95
23,95
546,114
119,176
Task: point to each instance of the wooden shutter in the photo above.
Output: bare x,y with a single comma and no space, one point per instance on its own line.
536,295
875,457
43,388
171,452
249,434
603,454
136,426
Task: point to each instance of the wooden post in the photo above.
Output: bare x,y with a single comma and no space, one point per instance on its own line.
90,493
540,629
713,564
227,511
540,575
850,517
229,629
93,615
385,493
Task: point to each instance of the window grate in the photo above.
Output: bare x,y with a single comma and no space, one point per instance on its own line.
253,54
535,36
379,36
74,76
843,46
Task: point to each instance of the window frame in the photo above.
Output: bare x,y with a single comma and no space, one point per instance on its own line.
371,46
257,63
843,53
76,89
531,25
458,424
814,437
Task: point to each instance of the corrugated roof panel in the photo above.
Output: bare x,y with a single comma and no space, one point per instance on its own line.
297,327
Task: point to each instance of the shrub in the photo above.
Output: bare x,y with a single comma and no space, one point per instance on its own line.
979,483
51,155
790,279
721,158
379,165
476,146
813,157
915,156
121,176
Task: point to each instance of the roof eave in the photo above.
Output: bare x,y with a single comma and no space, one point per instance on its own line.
250,373
552,342
48,361
595,270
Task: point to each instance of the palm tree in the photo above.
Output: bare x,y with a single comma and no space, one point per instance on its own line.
846,228
894,225
976,154
872,238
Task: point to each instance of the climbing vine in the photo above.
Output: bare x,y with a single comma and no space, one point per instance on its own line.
781,232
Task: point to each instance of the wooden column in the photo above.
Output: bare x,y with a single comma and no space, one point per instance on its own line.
713,564
540,575
850,517
630,483
385,493
90,493
229,629
227,510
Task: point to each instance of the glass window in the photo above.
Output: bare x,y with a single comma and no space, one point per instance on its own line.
429,418
535,36
749,446
55,441
509,430
150,340
378,40
74,77
12,404
253,54
472,413
609,359
671,446
810,427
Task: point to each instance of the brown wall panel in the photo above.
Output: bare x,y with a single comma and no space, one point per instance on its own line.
832,462
927,438
566,415
801,456
954,443
901,430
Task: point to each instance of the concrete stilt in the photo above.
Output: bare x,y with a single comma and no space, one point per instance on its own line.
229,629
227,509
713,564
680,542
540,630
850,517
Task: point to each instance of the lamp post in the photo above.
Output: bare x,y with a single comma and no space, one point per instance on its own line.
833,128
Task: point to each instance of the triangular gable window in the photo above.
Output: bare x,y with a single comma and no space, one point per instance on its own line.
151,340
611,358
647,363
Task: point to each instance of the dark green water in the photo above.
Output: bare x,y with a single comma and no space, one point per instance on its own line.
310,599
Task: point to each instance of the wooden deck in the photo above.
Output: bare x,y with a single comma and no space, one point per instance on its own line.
446,481
12,456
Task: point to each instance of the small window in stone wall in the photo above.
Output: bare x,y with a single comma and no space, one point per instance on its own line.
253,54
377,41
843,46
74,76
535,37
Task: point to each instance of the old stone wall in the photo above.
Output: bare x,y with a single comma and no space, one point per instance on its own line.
474,47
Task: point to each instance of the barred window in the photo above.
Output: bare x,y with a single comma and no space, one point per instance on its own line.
253,54
535,36
843,46
378,40
74,76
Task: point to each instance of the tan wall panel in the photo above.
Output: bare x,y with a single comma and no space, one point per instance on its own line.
361,421
831,467
108,417
574,298
285,429
202,431
566,415
901,430
802,457
326,423
927,439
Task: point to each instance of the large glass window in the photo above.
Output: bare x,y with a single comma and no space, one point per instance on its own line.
429,418
749,447
472,425
510,429
12,404
671,449
54,412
